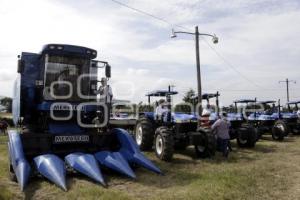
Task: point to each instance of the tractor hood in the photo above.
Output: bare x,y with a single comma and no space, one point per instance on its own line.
234,117
285,115
183,118
260,117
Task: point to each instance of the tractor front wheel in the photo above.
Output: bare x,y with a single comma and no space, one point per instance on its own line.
247,136
208,146
279,130
144,134
164,144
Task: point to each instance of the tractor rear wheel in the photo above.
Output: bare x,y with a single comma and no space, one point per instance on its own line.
209,144
279,130
247,136
144,134
164,143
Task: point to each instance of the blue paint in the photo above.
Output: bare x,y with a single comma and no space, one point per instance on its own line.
53,168
19,163
87,165
131,152
115,161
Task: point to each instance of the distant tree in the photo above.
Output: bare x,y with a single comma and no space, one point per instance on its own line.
187,98
7,102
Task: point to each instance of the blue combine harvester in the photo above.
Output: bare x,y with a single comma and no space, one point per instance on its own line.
63,126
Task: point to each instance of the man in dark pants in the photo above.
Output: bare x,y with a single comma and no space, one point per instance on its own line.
221,128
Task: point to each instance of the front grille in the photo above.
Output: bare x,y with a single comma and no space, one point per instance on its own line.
186,127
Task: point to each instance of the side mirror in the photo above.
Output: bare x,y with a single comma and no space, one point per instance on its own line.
21,65
108,71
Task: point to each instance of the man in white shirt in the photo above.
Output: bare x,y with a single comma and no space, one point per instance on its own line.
106,96
298,113
105,92
161,110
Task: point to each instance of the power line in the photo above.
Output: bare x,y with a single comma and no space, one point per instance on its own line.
182,27
149,14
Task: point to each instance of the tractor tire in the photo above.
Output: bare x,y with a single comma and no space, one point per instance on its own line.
209,145
279,130
144,134
251,138
295,130
164,143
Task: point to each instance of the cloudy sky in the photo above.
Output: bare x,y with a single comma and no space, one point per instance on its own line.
259,43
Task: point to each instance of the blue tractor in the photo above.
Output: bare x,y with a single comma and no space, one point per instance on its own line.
255,113
244,133
62,126
289,120
172,131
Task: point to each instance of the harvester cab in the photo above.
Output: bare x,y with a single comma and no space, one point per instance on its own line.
63,126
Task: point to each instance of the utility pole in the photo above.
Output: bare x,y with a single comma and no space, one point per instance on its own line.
287,81
198,71
197,34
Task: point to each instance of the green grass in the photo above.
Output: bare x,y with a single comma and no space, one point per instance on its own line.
269,171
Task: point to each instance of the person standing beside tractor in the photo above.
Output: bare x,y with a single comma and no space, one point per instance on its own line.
221,128
106,95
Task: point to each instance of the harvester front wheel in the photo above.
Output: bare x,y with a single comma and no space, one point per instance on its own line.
279,130
164,144
208,146
144,134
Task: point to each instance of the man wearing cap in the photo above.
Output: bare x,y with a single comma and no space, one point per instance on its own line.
221,128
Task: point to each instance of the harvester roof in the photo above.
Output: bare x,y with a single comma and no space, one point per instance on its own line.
65,49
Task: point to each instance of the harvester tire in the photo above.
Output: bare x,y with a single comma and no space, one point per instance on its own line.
251,138
209,145
279,130
144,134
164,144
